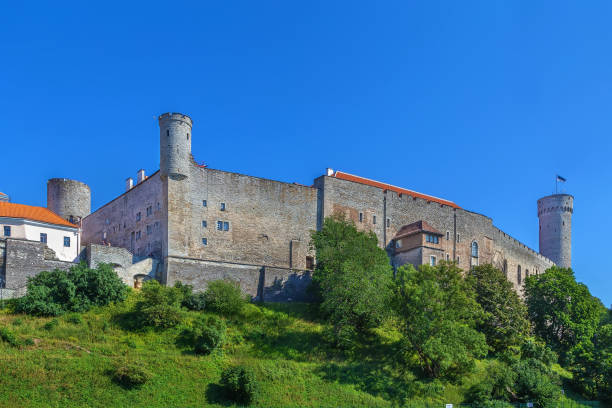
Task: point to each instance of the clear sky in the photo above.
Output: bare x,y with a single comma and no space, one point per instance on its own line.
478,102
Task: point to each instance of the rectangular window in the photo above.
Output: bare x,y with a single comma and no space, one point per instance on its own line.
204,203
149,210
226,226
388,222
204,225
158,206
448,235
66,241
43,237
432,260
204,241
436,239
360,217
149,229
7,231
457,259
219,225
458,237
137,235
373,219
138,216
447,257
222,206
398,243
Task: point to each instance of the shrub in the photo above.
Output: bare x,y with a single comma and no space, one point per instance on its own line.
18,321
131,376
56,292
9,337
239,384
51,324
74,318
224,298
206,335
160,306
196,301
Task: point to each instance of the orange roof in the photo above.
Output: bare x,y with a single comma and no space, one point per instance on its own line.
31,212
385,186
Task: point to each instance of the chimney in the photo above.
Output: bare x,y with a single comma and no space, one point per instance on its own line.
129,183
330,172
141,176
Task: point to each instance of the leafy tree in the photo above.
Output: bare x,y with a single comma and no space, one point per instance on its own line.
224,297
563,312
205,335
239,384
352,279
505,320
159,306
56,292
438,313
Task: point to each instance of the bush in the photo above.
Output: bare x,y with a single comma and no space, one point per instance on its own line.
74,318
196,301
224,298
239,384
18,321
131,376
206,335
9,337
56,292
51,324
160,306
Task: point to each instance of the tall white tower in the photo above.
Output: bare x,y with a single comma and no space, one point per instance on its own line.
555,214
175,145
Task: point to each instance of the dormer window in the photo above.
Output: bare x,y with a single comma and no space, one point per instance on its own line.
434,239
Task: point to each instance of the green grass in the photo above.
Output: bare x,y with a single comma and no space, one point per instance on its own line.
70,363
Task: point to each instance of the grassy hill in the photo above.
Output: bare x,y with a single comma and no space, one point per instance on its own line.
67,363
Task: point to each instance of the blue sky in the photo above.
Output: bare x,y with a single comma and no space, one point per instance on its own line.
479,102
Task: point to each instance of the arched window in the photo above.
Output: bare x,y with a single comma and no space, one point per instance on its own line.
475,249
505,267
519,277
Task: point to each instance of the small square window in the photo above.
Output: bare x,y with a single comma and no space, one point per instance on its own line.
66,241
7,231
204,225
219,225
222,206
204,241
226,226
43,237
204,204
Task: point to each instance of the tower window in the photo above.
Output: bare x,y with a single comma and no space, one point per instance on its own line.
7,231
187,136
66,241
204,241
43,237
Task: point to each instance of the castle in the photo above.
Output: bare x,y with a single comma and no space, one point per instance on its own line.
198,224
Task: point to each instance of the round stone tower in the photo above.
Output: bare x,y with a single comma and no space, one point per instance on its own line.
175,145
70,199
555,214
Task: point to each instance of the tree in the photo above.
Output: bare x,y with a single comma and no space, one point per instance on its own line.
56,292
563,312
505,320
438,313
352,279
159,306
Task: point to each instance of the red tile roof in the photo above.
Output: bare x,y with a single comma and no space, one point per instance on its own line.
416,227
30,212
385,186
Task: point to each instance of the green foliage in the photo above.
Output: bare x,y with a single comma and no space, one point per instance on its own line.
438,314
563,312
352,279
505,320
56,292
206,334
74,318
9,337
224,297
537,383
592,365
51,324
239,384
159,306
131,376
191,301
